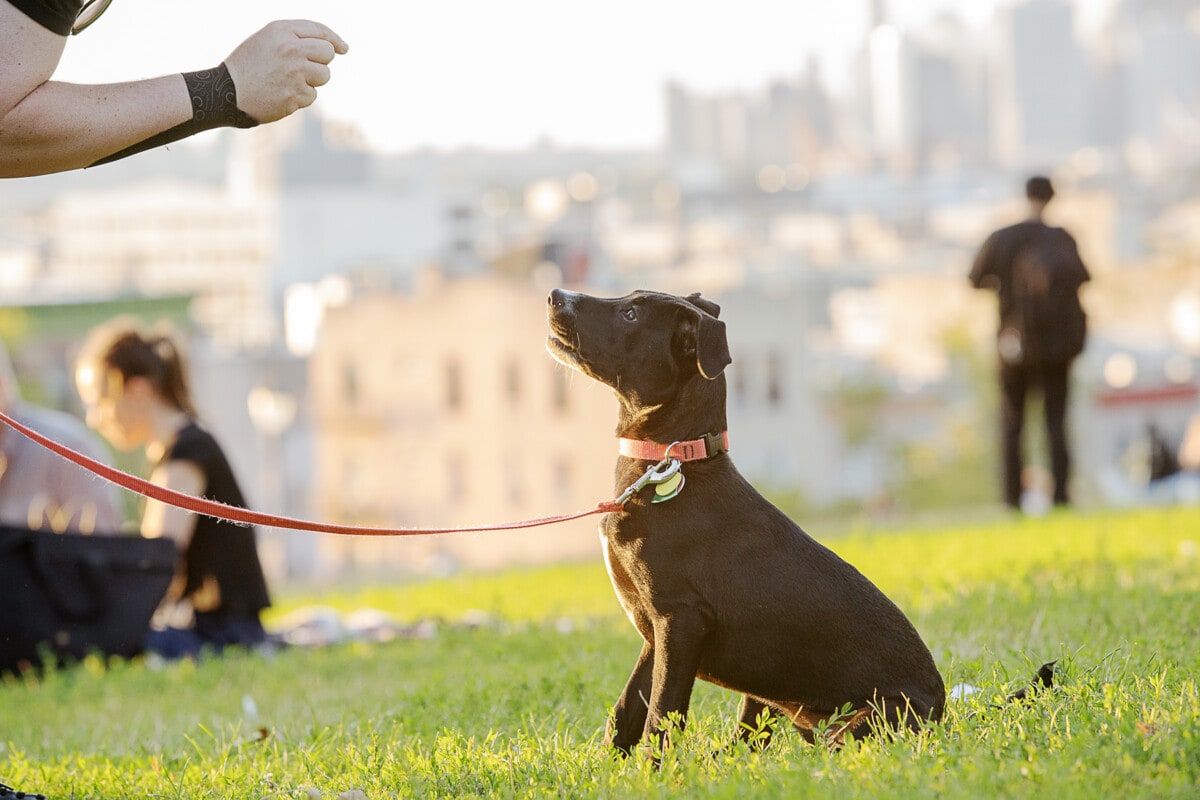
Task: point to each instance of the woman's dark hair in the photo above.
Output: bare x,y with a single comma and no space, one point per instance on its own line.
154,357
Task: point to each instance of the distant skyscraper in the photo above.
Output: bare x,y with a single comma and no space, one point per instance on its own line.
949,94
794,123
738,133
1041,110
1158,55
890,97
878,13
681,133
697,126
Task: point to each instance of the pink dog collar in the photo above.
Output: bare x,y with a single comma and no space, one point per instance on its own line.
706,446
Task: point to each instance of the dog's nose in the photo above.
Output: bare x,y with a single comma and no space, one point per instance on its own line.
558,298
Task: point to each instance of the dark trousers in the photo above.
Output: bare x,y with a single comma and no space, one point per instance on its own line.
211,632
1015,382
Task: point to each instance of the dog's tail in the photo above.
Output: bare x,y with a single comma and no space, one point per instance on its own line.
1044,679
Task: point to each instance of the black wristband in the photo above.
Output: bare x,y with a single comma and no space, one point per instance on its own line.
214,105
214,100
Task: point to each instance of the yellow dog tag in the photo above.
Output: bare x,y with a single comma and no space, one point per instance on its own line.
669,488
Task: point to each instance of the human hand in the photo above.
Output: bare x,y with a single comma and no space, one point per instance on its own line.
276,71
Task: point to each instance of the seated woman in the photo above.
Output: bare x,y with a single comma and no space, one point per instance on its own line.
135,389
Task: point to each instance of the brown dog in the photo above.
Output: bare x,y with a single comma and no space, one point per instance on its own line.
721,584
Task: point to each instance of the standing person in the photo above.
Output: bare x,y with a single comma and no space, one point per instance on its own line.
136,391
50,126
1036,271
39,489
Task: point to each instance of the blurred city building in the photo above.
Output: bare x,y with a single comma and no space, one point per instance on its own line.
439,407
334,297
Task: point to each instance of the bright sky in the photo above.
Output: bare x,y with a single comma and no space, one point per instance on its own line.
502,74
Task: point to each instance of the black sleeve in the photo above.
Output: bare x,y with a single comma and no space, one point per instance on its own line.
53,15
197,445
1079,272
984,265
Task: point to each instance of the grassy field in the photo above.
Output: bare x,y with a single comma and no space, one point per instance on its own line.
515,707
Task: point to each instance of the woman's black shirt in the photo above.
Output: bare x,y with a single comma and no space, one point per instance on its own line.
221,555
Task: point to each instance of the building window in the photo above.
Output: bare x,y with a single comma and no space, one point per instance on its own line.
774,380
560,478
514,485
737,380
512,382
355,497
456,479
453,375
558,390
350,386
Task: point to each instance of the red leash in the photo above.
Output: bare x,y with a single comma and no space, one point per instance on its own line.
245,516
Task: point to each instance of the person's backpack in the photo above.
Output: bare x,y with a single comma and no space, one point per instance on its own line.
1050,323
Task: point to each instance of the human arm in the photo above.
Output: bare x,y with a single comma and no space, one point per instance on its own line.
51,126
983,272
96,502
162,520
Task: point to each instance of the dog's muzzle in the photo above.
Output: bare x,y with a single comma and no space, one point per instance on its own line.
560,314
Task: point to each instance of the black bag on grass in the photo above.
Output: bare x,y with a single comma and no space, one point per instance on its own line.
69,595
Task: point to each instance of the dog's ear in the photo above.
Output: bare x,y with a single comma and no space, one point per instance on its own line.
704,336
703,304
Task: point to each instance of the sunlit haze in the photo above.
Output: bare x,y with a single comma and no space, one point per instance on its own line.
364,286
470,72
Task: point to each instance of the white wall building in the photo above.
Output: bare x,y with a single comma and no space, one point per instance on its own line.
161,238
443,409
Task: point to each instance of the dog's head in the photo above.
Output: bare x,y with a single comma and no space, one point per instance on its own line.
644,345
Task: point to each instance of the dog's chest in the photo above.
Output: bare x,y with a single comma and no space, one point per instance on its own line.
623,584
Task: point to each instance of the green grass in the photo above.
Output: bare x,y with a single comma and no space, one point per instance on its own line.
516,708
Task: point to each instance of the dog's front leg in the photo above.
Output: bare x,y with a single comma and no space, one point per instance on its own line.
679,641
629,715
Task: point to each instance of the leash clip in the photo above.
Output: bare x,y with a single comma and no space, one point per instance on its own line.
665,476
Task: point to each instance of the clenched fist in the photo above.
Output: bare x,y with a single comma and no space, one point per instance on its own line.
276,71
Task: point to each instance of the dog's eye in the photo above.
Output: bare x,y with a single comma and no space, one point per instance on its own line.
630,314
